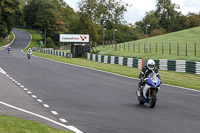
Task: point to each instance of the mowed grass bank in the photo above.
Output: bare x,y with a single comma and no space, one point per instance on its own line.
160,47
17,125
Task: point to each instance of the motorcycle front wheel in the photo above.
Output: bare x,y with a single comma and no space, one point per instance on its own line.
152,101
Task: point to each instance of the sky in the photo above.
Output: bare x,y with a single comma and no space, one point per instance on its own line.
139,7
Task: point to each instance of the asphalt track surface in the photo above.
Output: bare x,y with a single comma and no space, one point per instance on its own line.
99,102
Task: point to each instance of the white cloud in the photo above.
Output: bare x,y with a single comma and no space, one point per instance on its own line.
73,3
138,9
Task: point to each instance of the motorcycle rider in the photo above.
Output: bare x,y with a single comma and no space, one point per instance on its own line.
9,49
29,52
146,70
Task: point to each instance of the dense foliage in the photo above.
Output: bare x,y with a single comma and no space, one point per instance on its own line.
98,18
9,14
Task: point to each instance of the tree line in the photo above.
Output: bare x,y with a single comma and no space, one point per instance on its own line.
98,18
165,19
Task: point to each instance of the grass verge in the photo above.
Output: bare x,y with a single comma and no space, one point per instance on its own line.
17,125
3,42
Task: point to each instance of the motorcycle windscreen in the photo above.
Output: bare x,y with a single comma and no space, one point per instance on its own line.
152,80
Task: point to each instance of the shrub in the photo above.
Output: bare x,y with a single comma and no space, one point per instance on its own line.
157,32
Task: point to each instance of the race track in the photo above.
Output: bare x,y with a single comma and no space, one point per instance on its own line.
99,102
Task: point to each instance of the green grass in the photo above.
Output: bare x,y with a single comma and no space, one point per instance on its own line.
17,125
67,51
168,77
189,36
3,42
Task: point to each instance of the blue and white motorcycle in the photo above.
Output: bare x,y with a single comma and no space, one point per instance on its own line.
150,90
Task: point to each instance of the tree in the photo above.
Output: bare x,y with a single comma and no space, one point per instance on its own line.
8,14
193,20
95,15
43,14
149,19
167,13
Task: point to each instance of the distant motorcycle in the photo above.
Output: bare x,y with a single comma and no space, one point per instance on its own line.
28,55
150,90
9,49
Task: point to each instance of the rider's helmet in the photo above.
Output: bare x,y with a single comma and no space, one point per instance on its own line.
151,64
29,49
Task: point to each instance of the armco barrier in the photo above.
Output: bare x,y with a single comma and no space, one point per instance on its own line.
130,62
55,52
162,64
198,68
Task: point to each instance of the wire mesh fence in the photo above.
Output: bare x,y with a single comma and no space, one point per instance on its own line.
178,49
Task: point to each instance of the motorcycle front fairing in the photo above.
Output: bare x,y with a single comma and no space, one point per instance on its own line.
152,82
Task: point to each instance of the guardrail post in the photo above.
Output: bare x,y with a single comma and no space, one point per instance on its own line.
186,49
139,48
178,49
156,48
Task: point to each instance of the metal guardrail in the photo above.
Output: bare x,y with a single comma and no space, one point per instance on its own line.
162,64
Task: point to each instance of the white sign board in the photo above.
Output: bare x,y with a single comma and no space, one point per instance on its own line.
74,38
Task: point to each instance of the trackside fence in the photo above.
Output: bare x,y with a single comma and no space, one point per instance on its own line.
55,52
130,62
162,64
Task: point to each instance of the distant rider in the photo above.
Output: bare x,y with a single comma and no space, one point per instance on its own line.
9,49
29,51
146,70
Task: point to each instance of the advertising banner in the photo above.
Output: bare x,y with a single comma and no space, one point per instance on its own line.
74,38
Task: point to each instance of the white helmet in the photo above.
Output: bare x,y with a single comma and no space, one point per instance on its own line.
151,64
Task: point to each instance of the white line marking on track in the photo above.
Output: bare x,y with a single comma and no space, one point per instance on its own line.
25,89
45,105
7,75
2,71
39,100
29,92
22,86
43,117
54,112
34,96
75,129
63,120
